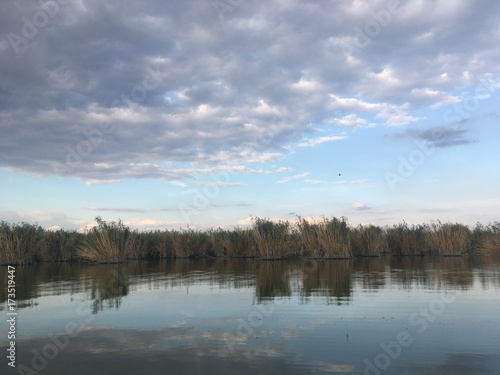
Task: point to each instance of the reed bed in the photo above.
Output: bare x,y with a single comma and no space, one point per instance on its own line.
19,243
105,243
238,243
161,244
405,240
486,239
329,238
137,246
368,241
448,238
59,245
273,239
308,233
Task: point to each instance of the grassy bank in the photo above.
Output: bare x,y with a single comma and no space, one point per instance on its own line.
329,238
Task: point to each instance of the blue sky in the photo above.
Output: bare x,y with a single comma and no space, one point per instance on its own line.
168,114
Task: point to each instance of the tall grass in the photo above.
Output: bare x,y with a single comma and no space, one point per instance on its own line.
486,239
137,246
19,243
161,245
308,233
328,238
190,243
59,245
105,243
405,240
114,242
273,240
448,238
333,239
238,243
368,241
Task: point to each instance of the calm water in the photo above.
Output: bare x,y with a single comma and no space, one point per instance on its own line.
368,316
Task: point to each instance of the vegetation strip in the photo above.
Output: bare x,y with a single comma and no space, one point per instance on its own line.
329,238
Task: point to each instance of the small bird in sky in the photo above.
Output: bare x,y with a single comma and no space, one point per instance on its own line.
340,174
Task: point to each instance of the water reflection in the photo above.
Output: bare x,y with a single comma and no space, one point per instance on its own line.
433,272
331,280
272,281
106,286
248,316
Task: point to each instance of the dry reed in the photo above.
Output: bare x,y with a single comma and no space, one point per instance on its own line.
368,241
448,239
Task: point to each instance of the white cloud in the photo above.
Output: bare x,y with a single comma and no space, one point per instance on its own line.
294,177
306,85
358,206
284,169
319,140
434,97
395,115
100,182
351,121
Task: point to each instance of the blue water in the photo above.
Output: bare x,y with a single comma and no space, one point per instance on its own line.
368,316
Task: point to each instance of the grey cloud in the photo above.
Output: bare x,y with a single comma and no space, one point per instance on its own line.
232,79
438,136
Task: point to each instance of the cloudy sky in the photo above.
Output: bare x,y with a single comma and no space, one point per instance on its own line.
169,113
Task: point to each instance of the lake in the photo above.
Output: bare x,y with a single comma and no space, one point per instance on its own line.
387,315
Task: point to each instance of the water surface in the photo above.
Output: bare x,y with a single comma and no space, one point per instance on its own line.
386,315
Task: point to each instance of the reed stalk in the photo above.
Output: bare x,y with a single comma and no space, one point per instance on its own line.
333,239
405,240
487,239
105,243
368,241
19,243
448,238
272,238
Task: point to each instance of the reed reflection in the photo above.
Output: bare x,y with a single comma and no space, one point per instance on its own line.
432,272
272,281
370,273
330,279
106,285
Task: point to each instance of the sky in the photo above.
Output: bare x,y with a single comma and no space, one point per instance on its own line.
168,114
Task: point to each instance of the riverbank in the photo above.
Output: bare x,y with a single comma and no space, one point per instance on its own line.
329,238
